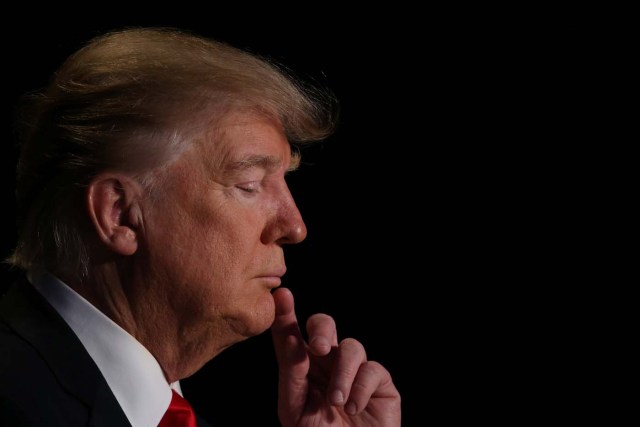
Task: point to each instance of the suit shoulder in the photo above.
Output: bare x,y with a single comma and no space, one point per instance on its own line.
13,415
30,394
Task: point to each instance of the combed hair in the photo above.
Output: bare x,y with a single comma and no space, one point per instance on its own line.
133,101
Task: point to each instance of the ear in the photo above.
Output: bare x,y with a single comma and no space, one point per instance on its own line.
112,202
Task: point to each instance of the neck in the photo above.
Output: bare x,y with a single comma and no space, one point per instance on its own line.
139,308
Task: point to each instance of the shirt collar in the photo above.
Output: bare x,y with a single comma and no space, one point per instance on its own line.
132,373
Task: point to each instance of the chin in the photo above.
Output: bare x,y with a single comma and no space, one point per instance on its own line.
259,319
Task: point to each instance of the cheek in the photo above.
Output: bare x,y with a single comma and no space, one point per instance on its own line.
232,246
215,267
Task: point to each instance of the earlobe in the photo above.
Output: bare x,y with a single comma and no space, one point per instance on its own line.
110,200
124,241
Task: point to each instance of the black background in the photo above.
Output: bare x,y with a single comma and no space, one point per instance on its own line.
408,234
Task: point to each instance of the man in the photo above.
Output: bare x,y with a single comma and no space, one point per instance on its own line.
154,211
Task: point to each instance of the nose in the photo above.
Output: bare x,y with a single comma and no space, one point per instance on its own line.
287,225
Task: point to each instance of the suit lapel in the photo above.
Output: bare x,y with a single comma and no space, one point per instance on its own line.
106,411
30,316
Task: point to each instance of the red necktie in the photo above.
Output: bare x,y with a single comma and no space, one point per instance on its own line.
179,414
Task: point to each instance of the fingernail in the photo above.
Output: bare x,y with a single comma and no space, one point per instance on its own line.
350,408
337,397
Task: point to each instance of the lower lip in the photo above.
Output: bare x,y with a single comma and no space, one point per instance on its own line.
271,281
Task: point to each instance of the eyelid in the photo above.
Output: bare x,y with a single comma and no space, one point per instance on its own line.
249,186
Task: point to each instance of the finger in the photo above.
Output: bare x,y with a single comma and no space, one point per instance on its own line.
374,380
321,330
287,338
285,322
293,362
350,356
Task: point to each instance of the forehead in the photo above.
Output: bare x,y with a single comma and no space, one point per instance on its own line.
240,137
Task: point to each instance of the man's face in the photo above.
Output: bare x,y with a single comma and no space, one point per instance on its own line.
215,233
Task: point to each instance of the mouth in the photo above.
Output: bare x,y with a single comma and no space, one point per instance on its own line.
273,278
271,282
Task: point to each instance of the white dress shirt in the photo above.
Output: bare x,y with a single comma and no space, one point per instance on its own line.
132,373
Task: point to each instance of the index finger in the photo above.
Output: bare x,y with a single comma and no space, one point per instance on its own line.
293,362
287,337
285,322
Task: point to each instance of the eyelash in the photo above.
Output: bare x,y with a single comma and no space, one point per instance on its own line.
249,188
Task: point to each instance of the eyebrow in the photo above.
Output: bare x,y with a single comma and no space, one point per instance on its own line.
268,163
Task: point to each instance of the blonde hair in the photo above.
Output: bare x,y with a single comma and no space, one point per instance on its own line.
133,101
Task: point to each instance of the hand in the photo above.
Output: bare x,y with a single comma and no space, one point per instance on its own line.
323,383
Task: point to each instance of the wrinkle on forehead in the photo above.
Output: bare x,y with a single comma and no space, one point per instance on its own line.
223,155
267,162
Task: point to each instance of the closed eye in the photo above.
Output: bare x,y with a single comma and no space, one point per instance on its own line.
249,187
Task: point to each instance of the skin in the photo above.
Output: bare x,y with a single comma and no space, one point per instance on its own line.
326,383
190,271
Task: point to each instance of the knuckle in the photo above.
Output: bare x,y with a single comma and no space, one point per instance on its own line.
376,369
358,388
373,367
319,319
352,346
346,371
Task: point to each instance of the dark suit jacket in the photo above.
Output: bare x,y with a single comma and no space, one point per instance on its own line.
47,378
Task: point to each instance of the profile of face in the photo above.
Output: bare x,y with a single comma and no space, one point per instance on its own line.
215,232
